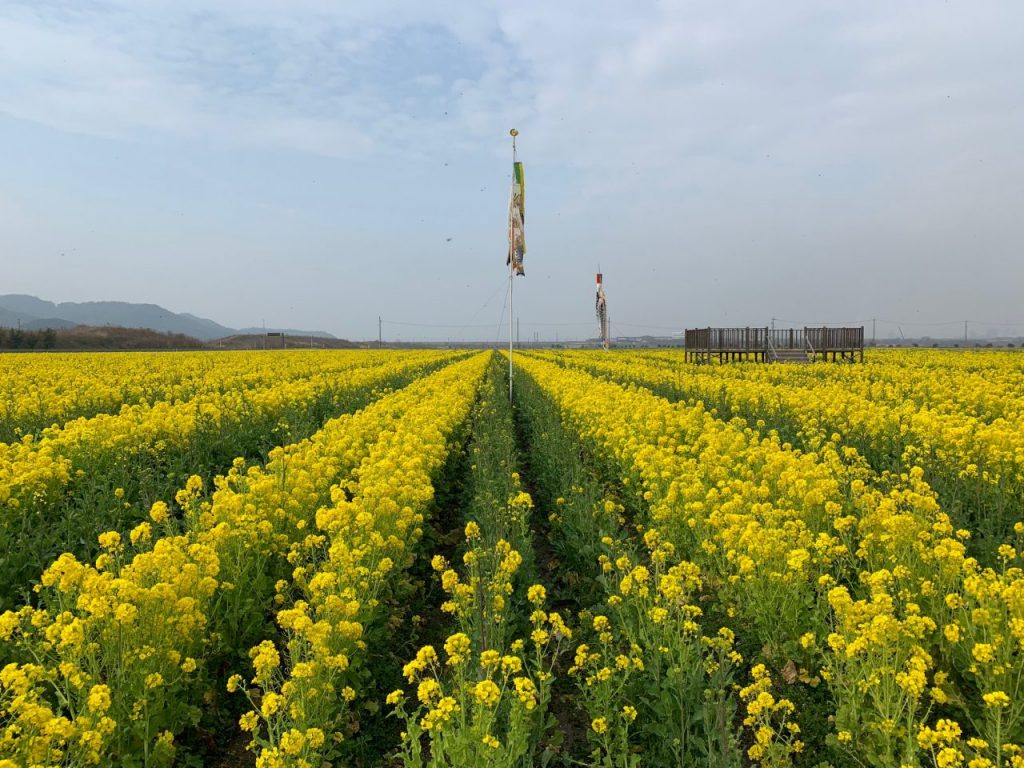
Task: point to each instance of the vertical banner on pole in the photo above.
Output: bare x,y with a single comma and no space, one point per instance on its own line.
516,240
602,310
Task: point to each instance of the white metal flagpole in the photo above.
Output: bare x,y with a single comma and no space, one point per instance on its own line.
511,271
511,282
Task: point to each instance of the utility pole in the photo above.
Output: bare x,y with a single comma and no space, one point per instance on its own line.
873,341
965,332
264,334
380,334
517,331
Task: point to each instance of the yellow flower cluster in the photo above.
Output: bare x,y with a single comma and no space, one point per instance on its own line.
651,641
503,692
776,735
945,744
481,602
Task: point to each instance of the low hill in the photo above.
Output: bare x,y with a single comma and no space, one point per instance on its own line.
28,312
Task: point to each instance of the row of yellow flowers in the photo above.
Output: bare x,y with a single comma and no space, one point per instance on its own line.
39,391
121,656
867,582
985,384
57,490
902,406
658,681
36,468
345,575
977,465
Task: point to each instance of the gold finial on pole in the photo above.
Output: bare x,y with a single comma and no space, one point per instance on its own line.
513,133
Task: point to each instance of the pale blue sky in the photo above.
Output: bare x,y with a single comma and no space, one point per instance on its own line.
306,162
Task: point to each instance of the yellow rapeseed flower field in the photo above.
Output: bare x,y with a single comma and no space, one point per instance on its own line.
374,558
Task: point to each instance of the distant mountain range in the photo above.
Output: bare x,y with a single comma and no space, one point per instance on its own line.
33,313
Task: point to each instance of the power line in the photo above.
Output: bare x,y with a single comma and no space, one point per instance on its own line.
819,323
805,323
993,322
558,325
434,325
536,324
911,322
655,327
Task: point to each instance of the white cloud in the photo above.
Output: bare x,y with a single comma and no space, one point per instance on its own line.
651,83
734,133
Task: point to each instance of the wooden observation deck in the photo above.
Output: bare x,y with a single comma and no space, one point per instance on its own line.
769,345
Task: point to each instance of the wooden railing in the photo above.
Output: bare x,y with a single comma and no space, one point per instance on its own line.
835,338
759,339
771,344
787,338
728,339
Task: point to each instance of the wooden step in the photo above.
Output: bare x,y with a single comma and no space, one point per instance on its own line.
789,356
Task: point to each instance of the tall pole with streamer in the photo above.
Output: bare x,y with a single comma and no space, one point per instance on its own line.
516,241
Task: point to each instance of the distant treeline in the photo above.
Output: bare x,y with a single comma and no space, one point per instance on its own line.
94,337
15,338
